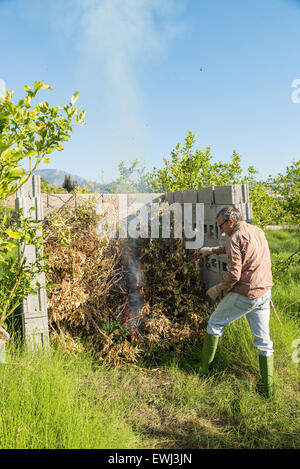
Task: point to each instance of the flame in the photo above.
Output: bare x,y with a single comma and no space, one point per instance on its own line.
142,291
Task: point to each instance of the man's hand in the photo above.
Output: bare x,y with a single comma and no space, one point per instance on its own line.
214,292
205,252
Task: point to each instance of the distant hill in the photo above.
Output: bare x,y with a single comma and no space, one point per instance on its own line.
56,177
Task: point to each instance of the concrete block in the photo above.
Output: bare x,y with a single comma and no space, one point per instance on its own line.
36,332
36,324
189,196
210,212
32,207
249,213
232,194
205,195
34,307
178,197
223,263
139,198
241,209
212,263
210,278
30,188
38,340
245,193
36,185
39,209
30,253
169,197
27,204
228,195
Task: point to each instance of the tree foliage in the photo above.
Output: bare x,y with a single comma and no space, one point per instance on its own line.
273,201
276,200
33,132
28,131
287,186
191,168
133,178
68,184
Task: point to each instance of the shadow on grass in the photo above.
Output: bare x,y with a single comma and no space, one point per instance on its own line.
188,433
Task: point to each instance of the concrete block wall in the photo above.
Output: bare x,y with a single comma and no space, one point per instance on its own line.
34,307
214,198
124,208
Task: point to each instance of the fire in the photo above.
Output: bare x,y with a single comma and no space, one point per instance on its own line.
142,292
134,313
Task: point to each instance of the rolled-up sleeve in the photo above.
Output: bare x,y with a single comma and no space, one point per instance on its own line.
234,266
219,250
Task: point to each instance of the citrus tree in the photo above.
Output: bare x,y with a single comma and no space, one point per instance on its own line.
33,132
273,201
287,186
132,178
191,168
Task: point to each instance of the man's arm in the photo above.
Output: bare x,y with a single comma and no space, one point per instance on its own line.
208,251
219,250
234,266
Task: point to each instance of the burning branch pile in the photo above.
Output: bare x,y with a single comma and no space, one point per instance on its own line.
120,297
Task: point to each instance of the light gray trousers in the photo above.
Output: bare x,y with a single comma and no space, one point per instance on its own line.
233,306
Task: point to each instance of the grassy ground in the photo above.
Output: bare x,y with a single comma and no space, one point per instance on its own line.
47,402
60,401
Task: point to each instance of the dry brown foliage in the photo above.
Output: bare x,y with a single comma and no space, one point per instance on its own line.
88,297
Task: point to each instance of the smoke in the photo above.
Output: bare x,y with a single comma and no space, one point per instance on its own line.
124,38
111,46
118,42
135,281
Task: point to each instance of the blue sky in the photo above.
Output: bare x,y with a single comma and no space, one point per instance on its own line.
136,65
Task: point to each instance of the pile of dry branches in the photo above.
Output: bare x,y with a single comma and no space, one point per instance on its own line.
88,290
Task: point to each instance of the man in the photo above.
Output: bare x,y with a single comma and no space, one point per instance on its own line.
247,284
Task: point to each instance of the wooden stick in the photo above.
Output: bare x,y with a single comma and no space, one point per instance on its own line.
273,308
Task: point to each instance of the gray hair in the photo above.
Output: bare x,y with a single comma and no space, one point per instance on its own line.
230,212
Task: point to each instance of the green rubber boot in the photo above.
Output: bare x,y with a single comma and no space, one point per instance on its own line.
209,348
266,367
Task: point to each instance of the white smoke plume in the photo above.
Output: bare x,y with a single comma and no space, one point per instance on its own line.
114,44
125,37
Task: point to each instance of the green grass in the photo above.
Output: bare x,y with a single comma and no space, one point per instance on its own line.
47,401
63,401
286,289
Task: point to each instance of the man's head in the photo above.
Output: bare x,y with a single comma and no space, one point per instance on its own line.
227,219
